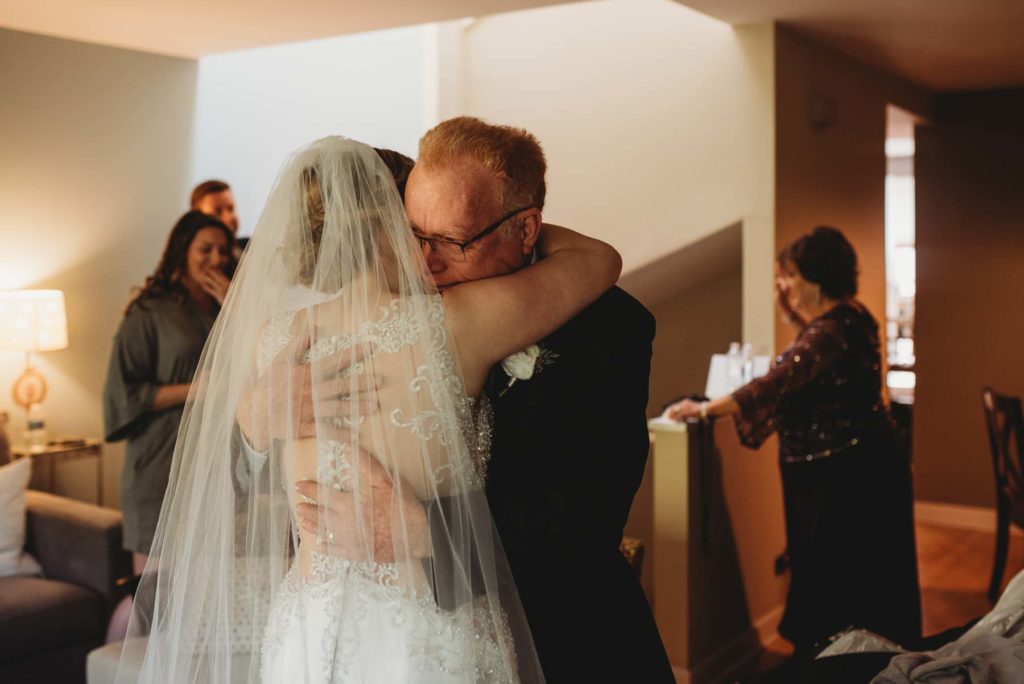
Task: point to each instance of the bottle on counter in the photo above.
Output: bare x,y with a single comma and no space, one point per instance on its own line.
5,442
734,367
35,434
747,359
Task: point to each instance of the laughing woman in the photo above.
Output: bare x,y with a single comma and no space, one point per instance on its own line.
155,354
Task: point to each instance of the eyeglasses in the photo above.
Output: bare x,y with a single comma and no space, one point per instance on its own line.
447,248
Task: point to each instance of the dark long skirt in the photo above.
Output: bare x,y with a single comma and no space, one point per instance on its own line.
850,530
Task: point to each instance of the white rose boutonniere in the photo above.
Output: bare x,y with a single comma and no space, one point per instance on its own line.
522,365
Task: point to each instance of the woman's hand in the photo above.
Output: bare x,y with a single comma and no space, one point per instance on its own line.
687,408
168,396
782,300
215,283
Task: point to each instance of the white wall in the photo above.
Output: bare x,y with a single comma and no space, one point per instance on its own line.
659,125
657,122
94,146
257,106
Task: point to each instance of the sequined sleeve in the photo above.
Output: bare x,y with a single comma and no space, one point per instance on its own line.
813,351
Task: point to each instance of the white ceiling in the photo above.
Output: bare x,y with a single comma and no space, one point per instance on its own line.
195,28
938,44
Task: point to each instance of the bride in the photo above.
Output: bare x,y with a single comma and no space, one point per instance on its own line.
333,308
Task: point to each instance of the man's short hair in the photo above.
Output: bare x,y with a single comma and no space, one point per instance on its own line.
511,154
210,187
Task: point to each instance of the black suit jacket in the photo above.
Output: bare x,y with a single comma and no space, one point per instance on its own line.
569,450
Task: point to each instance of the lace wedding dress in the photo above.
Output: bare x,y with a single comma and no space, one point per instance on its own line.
357,390
337,620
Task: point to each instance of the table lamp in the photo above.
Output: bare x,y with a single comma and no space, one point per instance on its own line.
32,321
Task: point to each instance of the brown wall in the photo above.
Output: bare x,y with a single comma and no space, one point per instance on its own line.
834,173
692,325
748,530
969,330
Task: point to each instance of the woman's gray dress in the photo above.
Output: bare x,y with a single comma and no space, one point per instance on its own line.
159,342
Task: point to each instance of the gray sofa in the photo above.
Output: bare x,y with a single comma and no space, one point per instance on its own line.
48,624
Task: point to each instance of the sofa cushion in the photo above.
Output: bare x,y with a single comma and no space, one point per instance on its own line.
77,542
14,479
102,663
38,615
66,666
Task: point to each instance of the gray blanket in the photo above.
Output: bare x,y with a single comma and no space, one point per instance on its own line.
991,652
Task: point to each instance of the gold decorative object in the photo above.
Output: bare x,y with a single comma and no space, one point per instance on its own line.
29,388
32,321
633,549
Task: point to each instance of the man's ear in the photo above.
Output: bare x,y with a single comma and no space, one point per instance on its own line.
531,222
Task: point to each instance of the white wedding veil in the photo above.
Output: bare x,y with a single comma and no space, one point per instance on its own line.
331,316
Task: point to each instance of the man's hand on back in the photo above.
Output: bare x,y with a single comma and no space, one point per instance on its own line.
295,400
378,523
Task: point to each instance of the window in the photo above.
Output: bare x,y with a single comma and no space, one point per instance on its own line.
900,255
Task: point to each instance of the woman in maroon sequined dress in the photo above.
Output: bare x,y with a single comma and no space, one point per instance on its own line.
846,481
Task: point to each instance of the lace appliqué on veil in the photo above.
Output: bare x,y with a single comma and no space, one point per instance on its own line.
399,328
274,338
334,469
454,413
465,642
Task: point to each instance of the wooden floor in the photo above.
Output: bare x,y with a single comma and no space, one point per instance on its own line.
954,566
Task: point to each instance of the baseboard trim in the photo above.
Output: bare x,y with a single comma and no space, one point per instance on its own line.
768,624
958,516
726,662
681,674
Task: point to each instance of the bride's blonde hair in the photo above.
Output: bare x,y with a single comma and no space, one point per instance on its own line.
304,249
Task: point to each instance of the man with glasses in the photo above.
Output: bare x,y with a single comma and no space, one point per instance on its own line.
452,250
569,444
470,223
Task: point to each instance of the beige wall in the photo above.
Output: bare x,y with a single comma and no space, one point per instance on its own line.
969,329
834,174
657,123
692,325
749,522
94,147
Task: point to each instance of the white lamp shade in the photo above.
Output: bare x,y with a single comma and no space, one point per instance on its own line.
33,320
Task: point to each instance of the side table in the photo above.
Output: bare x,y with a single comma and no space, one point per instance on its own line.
59,451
